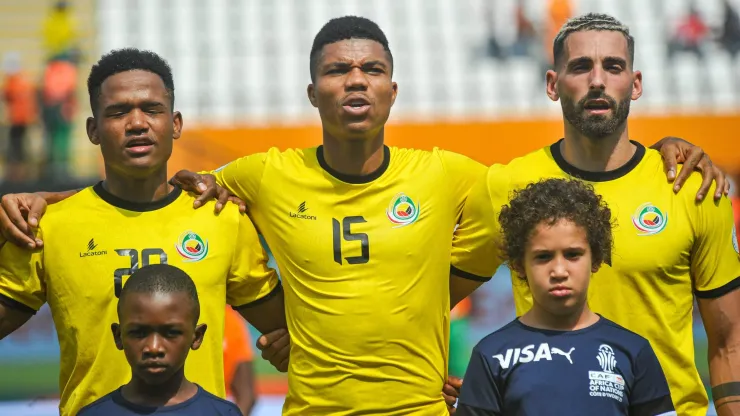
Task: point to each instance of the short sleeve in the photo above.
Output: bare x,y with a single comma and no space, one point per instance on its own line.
243,176
475,245
649,395
715,259
22,284
250,280
462,173
480,390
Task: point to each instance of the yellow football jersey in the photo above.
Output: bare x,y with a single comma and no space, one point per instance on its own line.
93,241
365,264
667,248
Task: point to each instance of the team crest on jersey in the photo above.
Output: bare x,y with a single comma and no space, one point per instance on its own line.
649,219
606,383
402,210
191,246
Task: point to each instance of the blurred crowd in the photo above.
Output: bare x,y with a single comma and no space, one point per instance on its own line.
47,101
690,33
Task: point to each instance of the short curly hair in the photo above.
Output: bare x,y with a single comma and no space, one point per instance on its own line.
128,59
342,28
161,278
550,201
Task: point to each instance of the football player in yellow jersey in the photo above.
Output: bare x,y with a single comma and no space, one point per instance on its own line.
95,239
361,234
668,247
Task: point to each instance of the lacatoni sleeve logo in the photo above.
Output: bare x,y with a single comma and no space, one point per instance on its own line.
402,210
649,220
191,247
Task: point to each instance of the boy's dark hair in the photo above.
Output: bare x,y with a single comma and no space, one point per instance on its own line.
549,201
591,21
128,59
346,27
161,278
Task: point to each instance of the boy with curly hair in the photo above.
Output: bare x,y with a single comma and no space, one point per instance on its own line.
557,232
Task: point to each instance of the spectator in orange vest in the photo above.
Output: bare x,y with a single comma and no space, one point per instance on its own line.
20,102
58,94
558,13
238,370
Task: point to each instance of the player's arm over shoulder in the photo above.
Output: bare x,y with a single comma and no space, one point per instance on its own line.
243,176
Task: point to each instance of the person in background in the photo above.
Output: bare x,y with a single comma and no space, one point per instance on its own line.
60,31
19,98
238,369
58,101
459,333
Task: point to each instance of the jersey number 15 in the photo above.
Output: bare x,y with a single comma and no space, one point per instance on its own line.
342,231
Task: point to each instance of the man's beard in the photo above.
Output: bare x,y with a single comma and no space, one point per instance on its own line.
596,126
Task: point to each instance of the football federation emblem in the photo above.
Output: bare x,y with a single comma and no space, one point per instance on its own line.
649,220
402,210
191,246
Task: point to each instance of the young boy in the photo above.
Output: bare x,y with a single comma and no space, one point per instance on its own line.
158,312
560,357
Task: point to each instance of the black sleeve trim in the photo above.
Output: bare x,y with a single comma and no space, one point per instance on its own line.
720,291
14,304
274,292
465,410
470,276
654,407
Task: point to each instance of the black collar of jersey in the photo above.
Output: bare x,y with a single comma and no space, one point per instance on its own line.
355,179
136,206
597,176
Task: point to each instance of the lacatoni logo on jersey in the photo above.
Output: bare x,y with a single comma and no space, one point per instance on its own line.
514,356
402,210
191,246
606,383
92,250
649,220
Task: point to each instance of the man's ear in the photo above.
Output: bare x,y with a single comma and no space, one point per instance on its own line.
92,131
176,124
311,91
116,329
200,332
551,82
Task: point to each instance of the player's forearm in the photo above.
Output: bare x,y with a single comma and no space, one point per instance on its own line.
266,316
11,319
460,288
54,197
724,374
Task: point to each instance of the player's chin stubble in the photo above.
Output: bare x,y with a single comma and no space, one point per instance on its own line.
595,127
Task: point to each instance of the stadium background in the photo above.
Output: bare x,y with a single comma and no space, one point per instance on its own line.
470,75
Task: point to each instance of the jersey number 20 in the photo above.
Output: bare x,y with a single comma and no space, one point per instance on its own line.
134,256
343,231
